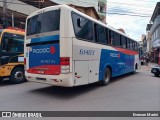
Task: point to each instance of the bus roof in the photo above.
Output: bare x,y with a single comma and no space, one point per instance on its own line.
74,10
13,31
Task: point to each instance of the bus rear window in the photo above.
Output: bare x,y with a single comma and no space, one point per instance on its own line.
44,22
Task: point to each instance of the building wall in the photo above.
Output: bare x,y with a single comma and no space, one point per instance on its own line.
87,11
100,5
19,7
149,42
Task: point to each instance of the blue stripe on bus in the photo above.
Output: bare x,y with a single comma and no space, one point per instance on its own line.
120,64
45,39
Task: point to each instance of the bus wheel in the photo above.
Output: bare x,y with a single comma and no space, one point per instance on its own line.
107,77
17,75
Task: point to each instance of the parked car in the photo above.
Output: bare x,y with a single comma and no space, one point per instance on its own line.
156,71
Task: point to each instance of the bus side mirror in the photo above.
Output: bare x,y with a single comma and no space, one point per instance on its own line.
79,23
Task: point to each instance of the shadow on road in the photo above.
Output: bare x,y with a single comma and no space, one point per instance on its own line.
5,83
119,78
68,93
65,92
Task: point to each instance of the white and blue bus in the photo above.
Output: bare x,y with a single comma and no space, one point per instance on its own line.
64,47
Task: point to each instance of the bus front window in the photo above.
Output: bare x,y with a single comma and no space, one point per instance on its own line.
12,43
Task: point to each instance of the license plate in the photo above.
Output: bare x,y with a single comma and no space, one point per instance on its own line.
40,78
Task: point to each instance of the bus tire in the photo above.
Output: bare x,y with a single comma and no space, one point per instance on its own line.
17,75
107,77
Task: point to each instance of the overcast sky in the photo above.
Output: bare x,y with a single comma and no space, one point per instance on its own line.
134,26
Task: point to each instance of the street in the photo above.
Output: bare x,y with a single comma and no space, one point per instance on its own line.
131,92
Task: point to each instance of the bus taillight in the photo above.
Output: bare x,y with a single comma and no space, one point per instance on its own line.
64,61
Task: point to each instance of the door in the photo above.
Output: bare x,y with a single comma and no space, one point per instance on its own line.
93,71
81,72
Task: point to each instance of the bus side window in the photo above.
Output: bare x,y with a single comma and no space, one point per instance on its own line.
102,35
83,27
110,37
116,40
123,42
107,40
131,44
128,43
96,32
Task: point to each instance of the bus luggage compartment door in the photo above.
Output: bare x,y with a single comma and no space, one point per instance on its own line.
93,71
81,72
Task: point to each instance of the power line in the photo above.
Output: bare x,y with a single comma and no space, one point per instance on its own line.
111,2
117,10
128,14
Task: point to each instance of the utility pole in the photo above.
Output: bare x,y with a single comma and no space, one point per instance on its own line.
5,22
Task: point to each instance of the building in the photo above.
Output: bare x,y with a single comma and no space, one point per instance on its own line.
99,5
90,11
16,13
18,10
122,30
149,50
155,33
144,45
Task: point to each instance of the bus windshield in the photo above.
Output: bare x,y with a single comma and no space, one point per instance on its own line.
44,22
12,42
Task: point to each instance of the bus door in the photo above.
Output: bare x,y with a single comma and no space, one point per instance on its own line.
11,47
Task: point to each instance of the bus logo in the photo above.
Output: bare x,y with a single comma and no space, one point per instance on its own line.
50,50
115,55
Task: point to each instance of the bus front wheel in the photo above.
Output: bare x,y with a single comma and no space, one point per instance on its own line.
17,75
107,77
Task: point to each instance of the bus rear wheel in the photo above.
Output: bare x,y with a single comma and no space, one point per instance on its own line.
107,77
17,75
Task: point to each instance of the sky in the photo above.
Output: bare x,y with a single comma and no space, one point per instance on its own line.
134,26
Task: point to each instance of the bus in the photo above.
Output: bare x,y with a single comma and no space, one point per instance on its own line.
11,54
64,47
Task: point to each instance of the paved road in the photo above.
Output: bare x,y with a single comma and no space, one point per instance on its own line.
132,92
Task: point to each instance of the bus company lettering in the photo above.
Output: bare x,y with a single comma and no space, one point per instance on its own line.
44,50
115,55
86,52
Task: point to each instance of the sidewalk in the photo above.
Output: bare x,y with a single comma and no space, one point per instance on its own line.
152,64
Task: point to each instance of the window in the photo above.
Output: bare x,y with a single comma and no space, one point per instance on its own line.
107,35
124,42
44,22
110,37
131,44
128,43
116,40
83,27
12,43
134,45
100,34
